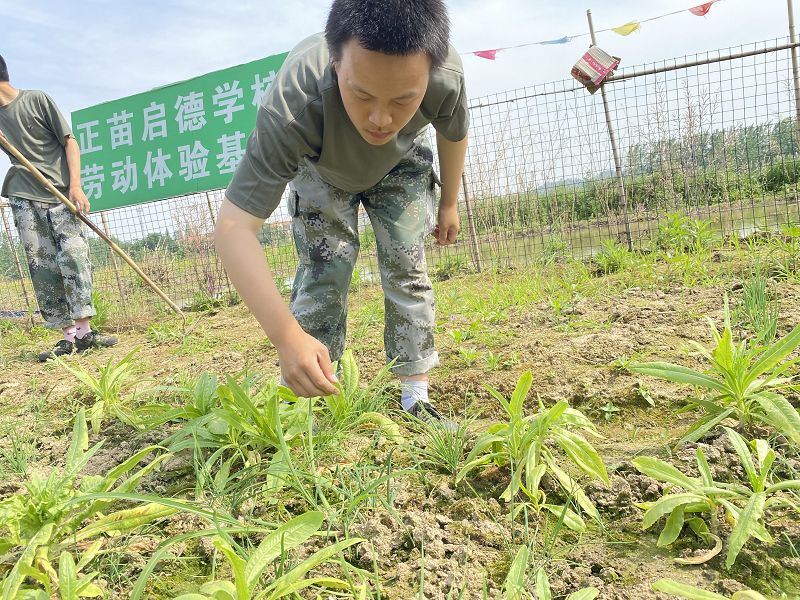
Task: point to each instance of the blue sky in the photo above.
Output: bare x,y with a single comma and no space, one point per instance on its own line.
86,52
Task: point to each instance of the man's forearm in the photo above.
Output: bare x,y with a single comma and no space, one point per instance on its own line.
243,259
451,165
73,152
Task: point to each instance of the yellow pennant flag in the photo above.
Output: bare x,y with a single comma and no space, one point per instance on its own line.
627,29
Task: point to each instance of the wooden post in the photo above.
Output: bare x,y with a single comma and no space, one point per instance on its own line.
612,136
473,232
17,263
123,299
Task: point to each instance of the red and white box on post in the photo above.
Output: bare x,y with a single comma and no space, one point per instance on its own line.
593,67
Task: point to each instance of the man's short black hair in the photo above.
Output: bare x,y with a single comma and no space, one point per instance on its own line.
397,27
3,70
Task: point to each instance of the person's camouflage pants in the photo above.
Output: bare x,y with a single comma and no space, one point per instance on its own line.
325,226
58,260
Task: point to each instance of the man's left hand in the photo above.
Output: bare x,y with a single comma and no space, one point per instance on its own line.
79,199
448,226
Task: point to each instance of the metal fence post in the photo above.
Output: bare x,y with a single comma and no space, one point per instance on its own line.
122,298
617,161
473,232
20,273
795,77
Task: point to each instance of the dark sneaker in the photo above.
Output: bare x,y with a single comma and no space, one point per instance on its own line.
427,413
94,340
60,349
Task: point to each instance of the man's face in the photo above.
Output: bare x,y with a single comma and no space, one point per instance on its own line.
381,92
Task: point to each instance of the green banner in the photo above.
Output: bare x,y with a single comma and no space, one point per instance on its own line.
175,140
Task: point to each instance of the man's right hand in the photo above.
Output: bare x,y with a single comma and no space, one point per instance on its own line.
306,365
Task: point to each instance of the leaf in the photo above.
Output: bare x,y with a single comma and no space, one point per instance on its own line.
520,393
125,520
774,354
780,413
12,582
390,429
89,554
667,504
745,457
747,595
289,535
678,374
582,454
704,425
672,528
704,468
589,593
542,586
288,580
663,471
572,488
238,566
745,526
571,519
80,440
350,373
67,577
219,590
515,579
684,591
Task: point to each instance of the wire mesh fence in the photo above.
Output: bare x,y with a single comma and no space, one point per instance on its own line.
710,136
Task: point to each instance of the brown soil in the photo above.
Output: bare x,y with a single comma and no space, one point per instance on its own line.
457,538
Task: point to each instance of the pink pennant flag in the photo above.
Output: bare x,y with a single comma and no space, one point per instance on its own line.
701,10
487,54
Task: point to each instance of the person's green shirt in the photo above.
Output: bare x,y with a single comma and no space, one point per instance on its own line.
302,119
34,126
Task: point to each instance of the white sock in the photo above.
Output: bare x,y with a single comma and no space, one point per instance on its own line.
413,392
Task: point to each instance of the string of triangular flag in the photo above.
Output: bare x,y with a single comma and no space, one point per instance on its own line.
628,28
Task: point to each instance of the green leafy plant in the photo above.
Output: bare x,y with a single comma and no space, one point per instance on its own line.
515,585
613,257
468,355
690,592
249,570
742,382
526,444
678,234
102,307
200,399
108,387
48,521
441,448
758,311
745,506
19,455
355,407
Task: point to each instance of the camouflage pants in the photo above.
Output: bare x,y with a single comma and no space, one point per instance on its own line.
325,227
58,260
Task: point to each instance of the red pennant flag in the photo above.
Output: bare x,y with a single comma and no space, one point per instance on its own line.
488,54
701,10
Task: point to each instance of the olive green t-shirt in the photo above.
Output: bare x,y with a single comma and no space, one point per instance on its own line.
35,127
302,119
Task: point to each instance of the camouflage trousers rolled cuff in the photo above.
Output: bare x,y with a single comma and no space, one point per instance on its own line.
325,225
417,367
58,260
